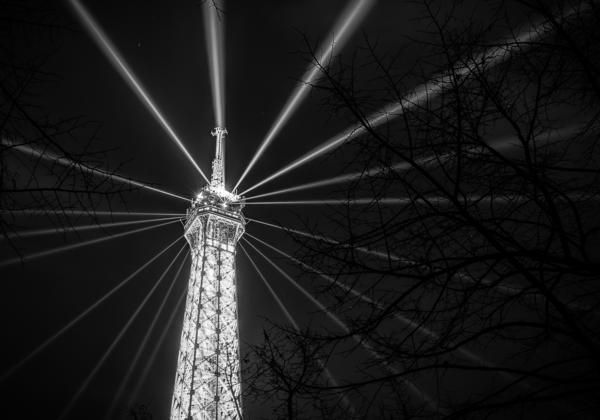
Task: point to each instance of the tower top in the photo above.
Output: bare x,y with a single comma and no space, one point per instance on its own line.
217,180
214,201
219,131
216,187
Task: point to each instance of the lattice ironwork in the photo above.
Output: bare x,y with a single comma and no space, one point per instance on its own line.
208,383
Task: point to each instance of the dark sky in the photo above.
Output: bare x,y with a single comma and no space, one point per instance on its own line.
163,43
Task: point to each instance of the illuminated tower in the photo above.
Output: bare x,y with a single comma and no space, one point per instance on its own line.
208,384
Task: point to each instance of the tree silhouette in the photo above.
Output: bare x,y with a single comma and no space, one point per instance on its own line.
470,273
49,163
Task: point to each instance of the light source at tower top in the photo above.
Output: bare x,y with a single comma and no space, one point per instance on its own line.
218,167
217,180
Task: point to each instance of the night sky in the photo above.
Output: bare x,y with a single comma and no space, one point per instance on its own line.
164,45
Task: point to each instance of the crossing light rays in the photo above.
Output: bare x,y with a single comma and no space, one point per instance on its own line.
155,349
291,320
80,228
121,66
53,158
469,199
342,30
340,179
149,330
421,94
461,350
311,155
342,325
114,343
388,200
302,290
214,23
296,231
380,254
404,320
430,160
83,314
59,249
90,213
273,293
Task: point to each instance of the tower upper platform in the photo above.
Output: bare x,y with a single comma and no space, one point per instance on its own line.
214,203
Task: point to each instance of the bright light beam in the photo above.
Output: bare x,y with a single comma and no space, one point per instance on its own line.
362,249
467,354
91,213
471,199
82,315
155,349
343,28
497,145
384,200
52,158
113,345
509,290
380,254
273,293
215,47
422,94
406,321
80,228
142,346
64,248
425,397
291,320
121,66
302,290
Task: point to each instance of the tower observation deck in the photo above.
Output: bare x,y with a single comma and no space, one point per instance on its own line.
208,382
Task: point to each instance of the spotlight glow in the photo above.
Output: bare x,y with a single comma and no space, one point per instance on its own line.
291,320
391,200
342,325
90,213
404,320
155,349
113,345
51,157
215,48
471,199
83,314
275,296
345,25
59,249
55,230
498,145
149,330
302,290
422,94
121,66
464,352
380,254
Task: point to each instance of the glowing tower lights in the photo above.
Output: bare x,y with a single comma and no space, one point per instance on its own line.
340,34
208,382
